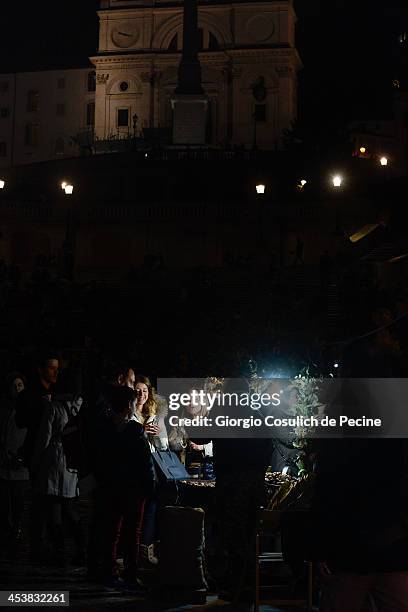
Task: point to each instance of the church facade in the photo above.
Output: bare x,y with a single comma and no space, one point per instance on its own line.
249,75
249,69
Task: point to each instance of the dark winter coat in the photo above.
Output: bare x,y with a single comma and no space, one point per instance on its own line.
31,406
123,457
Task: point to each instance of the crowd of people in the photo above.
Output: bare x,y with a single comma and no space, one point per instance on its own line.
122,422
121,428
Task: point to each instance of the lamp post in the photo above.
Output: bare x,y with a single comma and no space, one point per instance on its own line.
68,247
337,182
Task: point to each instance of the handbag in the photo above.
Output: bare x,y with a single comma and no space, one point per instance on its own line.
169,466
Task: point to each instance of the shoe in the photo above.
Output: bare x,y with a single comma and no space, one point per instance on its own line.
147,554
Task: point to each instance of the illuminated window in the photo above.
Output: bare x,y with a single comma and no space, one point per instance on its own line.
123,117
33,101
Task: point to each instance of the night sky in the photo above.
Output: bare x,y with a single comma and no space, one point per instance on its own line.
347,46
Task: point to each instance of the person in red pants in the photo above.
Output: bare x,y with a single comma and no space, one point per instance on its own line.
125,471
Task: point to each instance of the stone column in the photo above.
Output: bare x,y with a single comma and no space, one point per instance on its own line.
189,102
189,73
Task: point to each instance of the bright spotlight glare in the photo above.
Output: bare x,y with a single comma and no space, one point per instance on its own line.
303,182
275,374
260,188
336,365
384,161
63,185
2,184
337,180
69,189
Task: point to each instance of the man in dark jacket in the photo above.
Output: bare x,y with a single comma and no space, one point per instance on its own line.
31,406
33,403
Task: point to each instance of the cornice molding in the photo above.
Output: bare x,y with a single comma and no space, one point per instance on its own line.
103,61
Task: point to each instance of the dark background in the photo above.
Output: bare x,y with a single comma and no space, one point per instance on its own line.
348,48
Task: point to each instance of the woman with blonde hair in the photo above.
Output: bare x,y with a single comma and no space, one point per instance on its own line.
151,411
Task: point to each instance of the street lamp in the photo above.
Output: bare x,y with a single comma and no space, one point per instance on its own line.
384,161
63,185
69,189
260,188
337,180
2,184
363,150
303,182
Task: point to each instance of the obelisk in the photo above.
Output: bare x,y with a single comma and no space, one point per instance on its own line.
189,101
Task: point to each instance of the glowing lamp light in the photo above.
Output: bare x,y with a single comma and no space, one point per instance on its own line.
63,185
260,189
2,184
69,189
384,161
336,365
303,182
363,150
337,180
